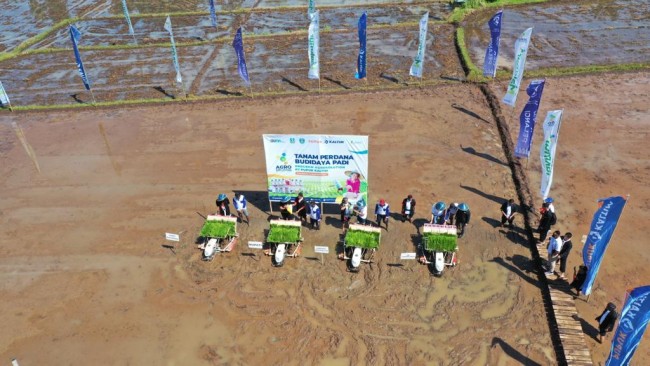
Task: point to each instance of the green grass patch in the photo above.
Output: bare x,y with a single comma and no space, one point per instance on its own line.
218,229
283,234
440,242
473,72
587,69
362,239
461,12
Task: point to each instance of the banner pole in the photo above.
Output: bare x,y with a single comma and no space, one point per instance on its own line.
627,198
92,95
319,84
250,88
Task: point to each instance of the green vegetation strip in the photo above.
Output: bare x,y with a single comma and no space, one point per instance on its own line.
472,5
362,239
283,234
218,229
473,72
37,38
440,242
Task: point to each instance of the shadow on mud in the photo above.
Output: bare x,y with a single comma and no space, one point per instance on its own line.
512,352
488,157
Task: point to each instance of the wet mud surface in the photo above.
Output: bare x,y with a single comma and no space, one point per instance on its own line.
567,33
109,183
275,64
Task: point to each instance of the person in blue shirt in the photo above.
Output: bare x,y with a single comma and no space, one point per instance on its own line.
241,206
314,215
382,210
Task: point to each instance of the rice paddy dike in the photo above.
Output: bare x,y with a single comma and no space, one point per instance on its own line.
39,72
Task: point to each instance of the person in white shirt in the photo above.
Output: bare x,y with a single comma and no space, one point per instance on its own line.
508,213
554,248
361,210
241,206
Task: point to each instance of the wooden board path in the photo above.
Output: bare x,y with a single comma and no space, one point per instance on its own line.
573,347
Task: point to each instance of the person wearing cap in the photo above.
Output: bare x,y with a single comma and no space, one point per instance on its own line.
508,211
285,209
550,201
346,211
300,207
382,210
438,213
314,215
462,218
408,208
606,321
450,214
241,206
361,210
223,205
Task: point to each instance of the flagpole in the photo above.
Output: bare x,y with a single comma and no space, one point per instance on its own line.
627,199
92,95
319,84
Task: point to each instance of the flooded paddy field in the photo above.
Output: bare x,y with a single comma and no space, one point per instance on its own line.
110,182
275,64
568,33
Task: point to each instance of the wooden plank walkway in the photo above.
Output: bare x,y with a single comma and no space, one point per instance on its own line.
574,348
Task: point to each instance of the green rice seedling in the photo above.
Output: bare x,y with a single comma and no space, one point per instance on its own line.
362,239
218,229
283,234
440,242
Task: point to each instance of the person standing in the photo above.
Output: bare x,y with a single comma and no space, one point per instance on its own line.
346,212
223,205
314,215
508,213
241,206
382,210
553,249
462,218
361,210
285,209
564,253
545,222
438,213
450,214
408,208
550,201
606,321
579,278
300,208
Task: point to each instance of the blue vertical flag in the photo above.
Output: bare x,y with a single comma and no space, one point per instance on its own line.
74,36
361,60
602,228
128,18
213,14
492,52
4,98
238,44
528,117
168,28
634,320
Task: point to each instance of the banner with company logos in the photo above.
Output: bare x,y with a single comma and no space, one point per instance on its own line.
325,168
634,320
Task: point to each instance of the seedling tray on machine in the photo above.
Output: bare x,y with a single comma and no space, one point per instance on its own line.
219,227
362,236
283,231
440,238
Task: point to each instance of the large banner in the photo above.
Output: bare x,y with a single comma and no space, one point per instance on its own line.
492,52
528,117
547,152
634,320
325,168
418,62
521,50
602,228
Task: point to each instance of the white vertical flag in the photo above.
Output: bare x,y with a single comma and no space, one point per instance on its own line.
547,152
4,98
168,28
416,67
521,50
314,40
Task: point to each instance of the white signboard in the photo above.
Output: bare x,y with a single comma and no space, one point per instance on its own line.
324,168
321,250
172,237
407,256
255,245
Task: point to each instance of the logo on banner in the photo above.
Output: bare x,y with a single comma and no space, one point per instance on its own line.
302,141
285,166
292,140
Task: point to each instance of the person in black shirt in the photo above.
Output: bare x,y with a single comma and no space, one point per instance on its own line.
300,207
508,211
606,321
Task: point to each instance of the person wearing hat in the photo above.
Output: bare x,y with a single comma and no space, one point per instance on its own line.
438,213
550,201
361,210
408,208
462,218
382,210
285,209
300,207
450,214
223,205
346,211
606,321
239,201
314,215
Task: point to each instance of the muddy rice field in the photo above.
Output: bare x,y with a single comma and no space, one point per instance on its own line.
87,195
